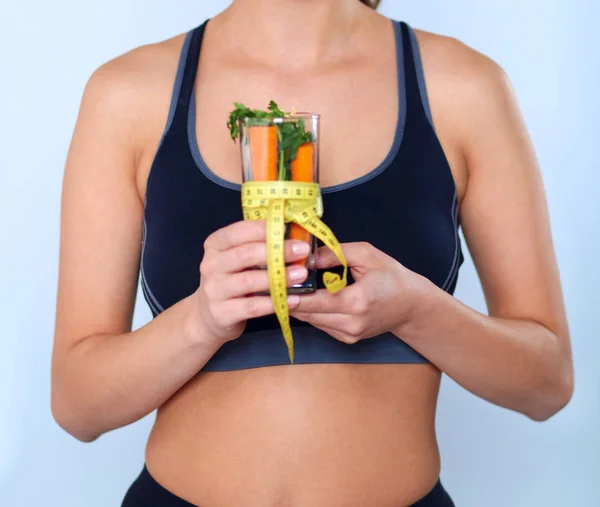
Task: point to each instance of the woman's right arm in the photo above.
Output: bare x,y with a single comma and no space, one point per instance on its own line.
105,376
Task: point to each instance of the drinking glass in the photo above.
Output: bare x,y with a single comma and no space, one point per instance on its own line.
270,153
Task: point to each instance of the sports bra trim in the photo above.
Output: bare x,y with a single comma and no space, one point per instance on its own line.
382,166
401,119
416,51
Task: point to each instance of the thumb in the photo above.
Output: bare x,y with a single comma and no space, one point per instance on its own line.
360,254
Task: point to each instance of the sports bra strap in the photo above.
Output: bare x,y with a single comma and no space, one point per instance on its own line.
416,91
186,77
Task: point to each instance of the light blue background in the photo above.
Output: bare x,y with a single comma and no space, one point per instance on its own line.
491,457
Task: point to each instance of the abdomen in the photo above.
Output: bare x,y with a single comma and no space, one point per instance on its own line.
299,436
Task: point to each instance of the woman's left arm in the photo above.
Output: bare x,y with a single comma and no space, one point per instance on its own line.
518,356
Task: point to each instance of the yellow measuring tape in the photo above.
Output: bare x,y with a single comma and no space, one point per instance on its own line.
280,202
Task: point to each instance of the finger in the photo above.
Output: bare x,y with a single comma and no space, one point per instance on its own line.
245,308
250,255
238,233
252,281
341,337
336,321
338,335
322,301
356,254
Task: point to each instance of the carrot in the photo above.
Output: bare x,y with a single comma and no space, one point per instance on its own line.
263,145
302,165
302,170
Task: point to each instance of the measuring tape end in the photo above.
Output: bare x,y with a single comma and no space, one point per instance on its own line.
334,282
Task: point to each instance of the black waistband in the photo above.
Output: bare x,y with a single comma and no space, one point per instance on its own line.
147,492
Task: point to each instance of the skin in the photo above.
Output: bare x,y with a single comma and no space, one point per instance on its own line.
308,435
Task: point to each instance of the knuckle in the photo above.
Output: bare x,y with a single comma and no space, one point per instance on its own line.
350,339
211,289
205,267
365,249
247,254
307,305
354,328
207,287
224,319
258,227
357,329
208,242
252,308
225,236
359,303
215,311
246,281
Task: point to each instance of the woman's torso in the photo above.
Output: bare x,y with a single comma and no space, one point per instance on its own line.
311,434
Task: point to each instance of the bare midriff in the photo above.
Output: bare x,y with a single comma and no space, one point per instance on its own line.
317,435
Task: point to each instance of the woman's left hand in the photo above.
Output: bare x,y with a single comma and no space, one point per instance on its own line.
382,298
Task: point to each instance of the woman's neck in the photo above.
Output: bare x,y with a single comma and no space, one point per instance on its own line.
297,33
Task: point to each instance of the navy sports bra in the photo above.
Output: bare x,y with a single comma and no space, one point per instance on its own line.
412,188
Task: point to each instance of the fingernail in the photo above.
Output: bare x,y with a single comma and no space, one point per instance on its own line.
297,272
293,300
300,248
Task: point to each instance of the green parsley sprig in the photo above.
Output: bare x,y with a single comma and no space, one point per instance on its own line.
291,134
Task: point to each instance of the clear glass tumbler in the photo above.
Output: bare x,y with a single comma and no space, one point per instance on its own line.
284,149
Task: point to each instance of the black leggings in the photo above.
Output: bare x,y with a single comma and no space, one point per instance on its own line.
146,492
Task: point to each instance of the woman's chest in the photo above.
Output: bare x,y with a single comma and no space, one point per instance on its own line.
398,210
358,115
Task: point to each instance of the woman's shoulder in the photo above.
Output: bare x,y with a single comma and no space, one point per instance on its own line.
460,78
466,89
138,74
135,88
450,58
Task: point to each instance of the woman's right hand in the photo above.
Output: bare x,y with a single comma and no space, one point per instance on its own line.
226,298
